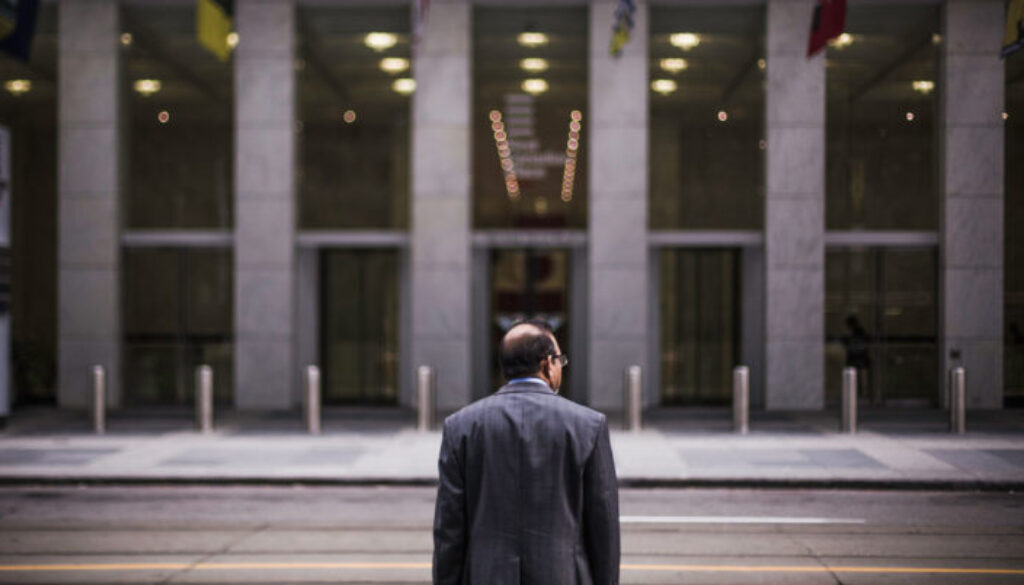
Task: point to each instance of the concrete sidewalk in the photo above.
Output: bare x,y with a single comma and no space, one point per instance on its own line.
895,449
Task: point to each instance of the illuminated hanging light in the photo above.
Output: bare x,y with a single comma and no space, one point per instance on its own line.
762,64
664,86
126,39
572,146
394,65
532,39
535,86
534,64
147,87
923,86
684,41
842,41
508,167
910,116
673,65
349,116
380,41
404,85
232,40
17,87
163,117
723,115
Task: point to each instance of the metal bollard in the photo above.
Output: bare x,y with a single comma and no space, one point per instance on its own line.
425,382
99,399
204,398
741,399
633,399
958,400
849,414
313,399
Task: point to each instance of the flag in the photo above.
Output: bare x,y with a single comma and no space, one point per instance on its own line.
18,26
828,23
623,26
1014,37
214,22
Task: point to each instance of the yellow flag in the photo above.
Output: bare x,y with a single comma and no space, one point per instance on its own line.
1014,37
214,21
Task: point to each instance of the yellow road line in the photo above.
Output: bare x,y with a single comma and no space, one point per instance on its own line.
383,566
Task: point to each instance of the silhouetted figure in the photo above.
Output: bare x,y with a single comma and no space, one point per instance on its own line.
858,353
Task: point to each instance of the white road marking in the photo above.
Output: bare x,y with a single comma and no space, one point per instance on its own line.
736,520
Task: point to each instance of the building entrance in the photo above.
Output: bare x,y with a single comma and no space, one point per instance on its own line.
699,324
359,326
530,284
881,317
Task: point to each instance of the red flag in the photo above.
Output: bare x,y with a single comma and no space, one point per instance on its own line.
828,23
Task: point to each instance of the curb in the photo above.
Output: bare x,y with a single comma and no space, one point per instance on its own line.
965,485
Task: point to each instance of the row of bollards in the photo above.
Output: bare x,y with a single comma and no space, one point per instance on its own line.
426,395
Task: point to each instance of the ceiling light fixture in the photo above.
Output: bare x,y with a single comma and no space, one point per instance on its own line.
532,39
535,86
380,41
673,65
147,87
663,86
842,41
534,64
923,86
16,87
394,65
404,85
684,41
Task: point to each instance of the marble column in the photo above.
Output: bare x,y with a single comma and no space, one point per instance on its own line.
440,249
794,212
88,264
265,135
615,135
972,197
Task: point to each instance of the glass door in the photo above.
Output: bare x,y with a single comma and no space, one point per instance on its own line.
359,326
699,325
881,317
530,284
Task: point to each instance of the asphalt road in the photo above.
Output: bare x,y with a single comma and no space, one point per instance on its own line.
382,535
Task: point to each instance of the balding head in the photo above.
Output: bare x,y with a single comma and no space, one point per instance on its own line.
524,347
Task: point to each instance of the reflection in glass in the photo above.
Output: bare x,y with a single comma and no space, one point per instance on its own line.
881,120
707,117
530,284
529,124
180,99
888,293
1014,219
700,325
30,116
354,90
359,327
178,314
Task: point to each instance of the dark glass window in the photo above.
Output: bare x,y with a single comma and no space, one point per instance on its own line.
882,87
1014,234
179,101
707,117
354,96
529,119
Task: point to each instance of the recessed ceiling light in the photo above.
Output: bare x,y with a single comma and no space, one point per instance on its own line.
147,87
684,41
380,41
842,41
674,65
663,86
233,39
532,39
535,86
404,86
924,86
394,64
18,86
534,64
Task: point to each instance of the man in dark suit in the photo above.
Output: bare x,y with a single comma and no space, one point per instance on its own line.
527,491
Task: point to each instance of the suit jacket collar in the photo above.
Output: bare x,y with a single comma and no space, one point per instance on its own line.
526,386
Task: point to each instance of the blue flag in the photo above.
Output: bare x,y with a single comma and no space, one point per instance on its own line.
623,26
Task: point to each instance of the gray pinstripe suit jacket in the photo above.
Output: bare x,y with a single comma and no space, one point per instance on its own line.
527,493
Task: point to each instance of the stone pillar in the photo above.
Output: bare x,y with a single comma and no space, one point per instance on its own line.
88,265
794,212
972,197
615,130
265,134
440,265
